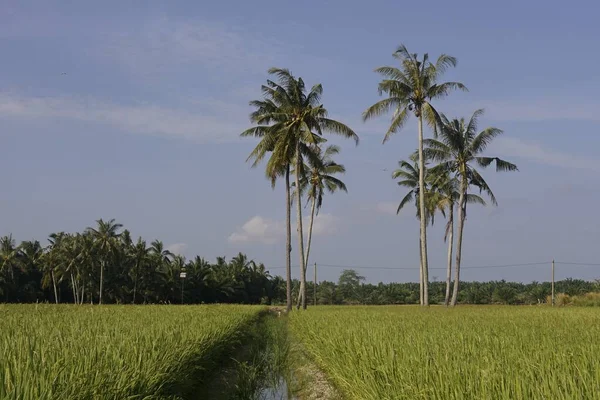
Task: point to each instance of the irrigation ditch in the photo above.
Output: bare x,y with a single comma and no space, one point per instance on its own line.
269,364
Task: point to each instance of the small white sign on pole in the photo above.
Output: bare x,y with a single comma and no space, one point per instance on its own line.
182,274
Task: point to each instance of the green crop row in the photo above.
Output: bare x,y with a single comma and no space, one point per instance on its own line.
114,352
404,352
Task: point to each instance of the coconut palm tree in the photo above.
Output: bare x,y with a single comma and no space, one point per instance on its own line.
447,188
317,178
9,263
105,236
410,89
140,255
409,173
458,150
54,258
290,122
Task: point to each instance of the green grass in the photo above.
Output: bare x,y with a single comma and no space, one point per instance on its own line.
114,352
404,352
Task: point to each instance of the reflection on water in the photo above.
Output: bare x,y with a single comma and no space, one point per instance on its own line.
279,391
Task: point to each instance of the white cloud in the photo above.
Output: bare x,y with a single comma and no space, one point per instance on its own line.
259,229
177,248
213,125
512,147
269,231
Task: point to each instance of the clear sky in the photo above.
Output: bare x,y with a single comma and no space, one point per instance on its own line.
132,110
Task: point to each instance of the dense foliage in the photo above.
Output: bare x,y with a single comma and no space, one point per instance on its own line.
138,273
117,352
72,268
466,353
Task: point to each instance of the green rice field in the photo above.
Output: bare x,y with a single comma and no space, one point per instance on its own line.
364,352
479,352
114,352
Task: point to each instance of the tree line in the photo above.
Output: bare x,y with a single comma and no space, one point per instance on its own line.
103,264
441,173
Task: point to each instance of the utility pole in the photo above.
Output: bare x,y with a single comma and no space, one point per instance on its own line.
182,276
315,285
553,302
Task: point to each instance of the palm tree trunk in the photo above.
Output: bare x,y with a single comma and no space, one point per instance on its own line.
299,223
54,285
310,228
101,281
423,219
74,289
450,246
420,272
461,223
135,284
288,240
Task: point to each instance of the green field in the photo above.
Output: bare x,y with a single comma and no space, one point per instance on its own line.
365,352
477,352
114,352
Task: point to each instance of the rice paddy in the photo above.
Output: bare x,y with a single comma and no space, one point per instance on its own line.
114,352
365,352
464,353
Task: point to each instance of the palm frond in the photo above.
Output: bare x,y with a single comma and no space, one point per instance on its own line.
398,121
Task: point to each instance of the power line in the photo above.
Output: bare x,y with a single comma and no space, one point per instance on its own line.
438,268
434,268
579,264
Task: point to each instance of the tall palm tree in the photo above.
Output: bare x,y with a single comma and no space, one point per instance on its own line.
447,188
409,173
105,236
410,89
318,177
458,150
290,122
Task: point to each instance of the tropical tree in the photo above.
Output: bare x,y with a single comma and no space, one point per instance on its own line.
290,122
31,253
141,257
458,150
408,174
105,237
410,89
54,259
447,189
317,178
9,263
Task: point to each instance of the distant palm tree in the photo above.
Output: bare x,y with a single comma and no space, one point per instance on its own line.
54,259
9,261
319,177
163,256
140,254
289,122
105,237
410,89
458,148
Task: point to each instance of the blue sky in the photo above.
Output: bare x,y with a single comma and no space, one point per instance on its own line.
133,112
